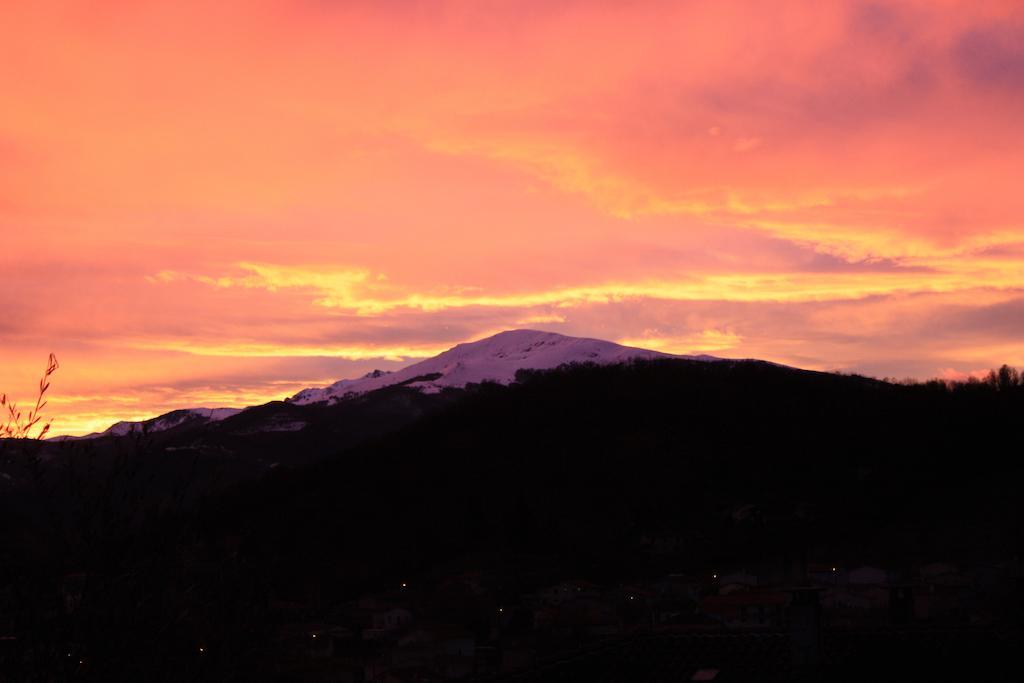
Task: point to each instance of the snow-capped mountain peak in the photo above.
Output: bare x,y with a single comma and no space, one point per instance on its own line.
496,359
493,359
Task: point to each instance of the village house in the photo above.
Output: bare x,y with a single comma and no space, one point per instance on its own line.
679,586
444,648
754,608
567,591
373,618
867,576
738,579
315,640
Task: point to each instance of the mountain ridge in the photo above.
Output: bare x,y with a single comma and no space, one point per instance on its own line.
496,358
159,423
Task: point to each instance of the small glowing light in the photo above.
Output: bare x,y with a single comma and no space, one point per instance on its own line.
404,584
202,649
630,597
314,635
833,568
714,576
501,609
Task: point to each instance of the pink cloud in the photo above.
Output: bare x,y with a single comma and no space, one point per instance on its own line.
831,184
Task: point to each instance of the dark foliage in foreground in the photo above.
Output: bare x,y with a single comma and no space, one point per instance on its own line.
574,466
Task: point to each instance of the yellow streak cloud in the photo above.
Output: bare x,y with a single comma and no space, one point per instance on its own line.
285,350
705,341
357,291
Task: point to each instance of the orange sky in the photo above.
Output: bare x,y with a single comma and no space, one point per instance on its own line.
219,203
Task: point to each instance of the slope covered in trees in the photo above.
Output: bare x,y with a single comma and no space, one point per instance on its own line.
566,473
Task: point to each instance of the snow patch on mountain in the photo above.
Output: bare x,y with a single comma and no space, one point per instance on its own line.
494,359
161,423
340,388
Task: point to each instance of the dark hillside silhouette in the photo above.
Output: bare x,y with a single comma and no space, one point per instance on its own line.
567,474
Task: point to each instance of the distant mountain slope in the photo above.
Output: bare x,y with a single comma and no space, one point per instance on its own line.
494,359
170,420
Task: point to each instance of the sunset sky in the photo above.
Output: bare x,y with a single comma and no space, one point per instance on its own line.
220,203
